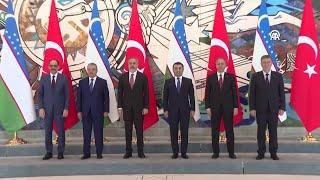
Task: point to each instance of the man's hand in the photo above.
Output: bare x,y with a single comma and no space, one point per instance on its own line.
253,113
105,114
42,113
145,111
235,111
281,112
192,114
65,113
80,116
166,114
209,112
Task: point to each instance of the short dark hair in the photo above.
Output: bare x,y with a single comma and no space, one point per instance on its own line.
93,64
267,56
177,63
54,60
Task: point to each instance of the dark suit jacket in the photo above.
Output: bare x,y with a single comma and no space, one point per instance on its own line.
227,96
136,98
97,101
57,99
261,96
174,101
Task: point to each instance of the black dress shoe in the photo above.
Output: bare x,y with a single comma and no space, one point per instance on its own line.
232,156
60,156
215,156
184,156
274,157
260,157
142,156
174,156
85,157
99,156
47,156
127,156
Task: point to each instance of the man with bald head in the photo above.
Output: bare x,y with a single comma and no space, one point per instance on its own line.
221,102
53,106
133,104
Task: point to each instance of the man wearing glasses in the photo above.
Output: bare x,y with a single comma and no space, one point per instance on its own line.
53,104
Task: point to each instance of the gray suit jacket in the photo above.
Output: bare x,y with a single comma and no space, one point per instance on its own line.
55,100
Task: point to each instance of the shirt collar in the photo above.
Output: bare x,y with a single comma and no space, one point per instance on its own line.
264,73
218,73
134,73
55,75
94,79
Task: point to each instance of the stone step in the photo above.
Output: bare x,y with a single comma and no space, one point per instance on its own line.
113,164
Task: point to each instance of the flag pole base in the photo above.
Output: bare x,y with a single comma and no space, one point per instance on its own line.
55,140
134,140
309,138
222,138
106,140
16,140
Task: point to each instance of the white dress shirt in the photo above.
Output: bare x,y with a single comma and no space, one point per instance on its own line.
94,80
176,80
55,77
134,76
265,75
218,74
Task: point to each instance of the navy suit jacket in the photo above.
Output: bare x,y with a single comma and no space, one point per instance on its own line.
174,101
57,99
97,101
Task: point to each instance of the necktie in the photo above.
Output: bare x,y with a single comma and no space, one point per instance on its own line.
178,84
53,82
131,81
267,79
91,85
220,81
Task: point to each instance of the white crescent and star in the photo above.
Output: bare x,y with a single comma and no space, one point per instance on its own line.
265,16
220,43
57,47
176,19
10,16
307,40
137,45
94,20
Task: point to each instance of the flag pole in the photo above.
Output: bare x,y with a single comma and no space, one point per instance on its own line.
16,140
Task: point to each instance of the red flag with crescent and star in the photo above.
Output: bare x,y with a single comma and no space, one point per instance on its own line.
305,92
54,49
136,48
220,48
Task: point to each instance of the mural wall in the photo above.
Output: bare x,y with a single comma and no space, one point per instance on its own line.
156,16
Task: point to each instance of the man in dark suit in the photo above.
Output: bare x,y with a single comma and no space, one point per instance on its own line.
179,106
133,102
54,105
267,101
92,107
221,102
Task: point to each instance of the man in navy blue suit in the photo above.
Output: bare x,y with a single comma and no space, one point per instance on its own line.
92,107
54,104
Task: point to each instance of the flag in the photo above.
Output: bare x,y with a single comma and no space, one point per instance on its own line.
263,44
305,92
54,49
136,47
179,51
96,53
220,48
16,100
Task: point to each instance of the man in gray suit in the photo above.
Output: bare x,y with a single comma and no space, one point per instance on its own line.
53,104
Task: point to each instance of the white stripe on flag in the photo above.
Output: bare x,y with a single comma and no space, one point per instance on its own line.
92,56
176,55
17,83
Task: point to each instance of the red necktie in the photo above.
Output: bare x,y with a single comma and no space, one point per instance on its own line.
220,81
131,81
53,82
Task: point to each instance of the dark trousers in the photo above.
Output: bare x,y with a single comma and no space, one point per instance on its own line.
97,123
271,120
134,117
217,115
175,118
48,123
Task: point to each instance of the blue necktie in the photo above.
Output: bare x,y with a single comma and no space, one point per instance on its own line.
91,85
178,85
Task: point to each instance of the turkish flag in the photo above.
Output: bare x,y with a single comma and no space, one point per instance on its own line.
220,48
136,48
305,91
55,50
